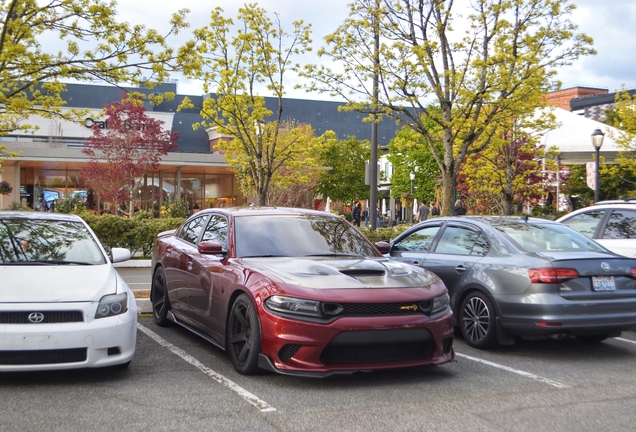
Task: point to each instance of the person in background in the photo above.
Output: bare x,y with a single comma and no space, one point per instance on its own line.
435,209
458,208
366,216
43,205
549,198
422,212
356,214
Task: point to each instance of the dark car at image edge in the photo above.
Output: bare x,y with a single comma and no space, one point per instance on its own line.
519,276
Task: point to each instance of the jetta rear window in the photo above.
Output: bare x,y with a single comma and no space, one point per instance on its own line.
28,241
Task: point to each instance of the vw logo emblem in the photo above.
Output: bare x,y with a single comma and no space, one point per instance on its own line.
36,317
605,266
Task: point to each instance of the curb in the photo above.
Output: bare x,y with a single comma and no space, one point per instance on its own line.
133,264
143,306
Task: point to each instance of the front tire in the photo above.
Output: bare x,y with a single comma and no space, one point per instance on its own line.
159,298
477,320
244,336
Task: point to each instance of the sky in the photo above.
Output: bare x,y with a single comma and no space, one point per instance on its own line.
610,23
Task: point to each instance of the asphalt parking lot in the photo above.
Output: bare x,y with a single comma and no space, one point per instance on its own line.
177,381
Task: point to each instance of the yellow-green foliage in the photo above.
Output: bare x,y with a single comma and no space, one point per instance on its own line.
235,65
96,46
480,63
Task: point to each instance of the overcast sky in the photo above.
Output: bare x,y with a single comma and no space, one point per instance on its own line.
610,23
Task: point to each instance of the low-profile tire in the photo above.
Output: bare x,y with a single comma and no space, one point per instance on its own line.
244,336
477,321
592,338
159,298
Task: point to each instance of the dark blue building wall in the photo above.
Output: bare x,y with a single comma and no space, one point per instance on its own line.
321,115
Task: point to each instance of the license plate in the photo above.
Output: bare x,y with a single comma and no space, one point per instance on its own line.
603,283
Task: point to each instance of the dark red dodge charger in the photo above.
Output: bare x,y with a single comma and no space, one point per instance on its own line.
297,292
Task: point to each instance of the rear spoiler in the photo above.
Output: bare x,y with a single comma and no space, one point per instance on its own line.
166,233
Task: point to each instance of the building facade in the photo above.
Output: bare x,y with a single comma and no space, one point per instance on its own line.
51,157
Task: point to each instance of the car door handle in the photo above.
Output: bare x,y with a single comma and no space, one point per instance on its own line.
460,268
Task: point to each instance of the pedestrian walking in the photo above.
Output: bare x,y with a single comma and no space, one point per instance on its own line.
422,212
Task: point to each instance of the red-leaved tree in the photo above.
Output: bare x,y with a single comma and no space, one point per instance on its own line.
126,146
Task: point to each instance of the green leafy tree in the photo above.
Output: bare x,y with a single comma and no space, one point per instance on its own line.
408,152
620,179
96,48
345,160
234,66
479,67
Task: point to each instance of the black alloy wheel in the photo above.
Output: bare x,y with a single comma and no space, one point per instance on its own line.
244,336
477,321
159,298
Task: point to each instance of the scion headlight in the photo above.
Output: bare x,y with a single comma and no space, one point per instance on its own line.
294,306
440,304
111,305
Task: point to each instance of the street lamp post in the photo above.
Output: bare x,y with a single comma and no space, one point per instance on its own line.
412,177
597,142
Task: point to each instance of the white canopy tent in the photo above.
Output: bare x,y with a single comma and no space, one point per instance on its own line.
573,139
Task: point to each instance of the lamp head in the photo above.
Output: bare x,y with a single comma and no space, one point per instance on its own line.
597,139
412,175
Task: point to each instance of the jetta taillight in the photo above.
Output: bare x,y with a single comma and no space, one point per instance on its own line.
551,275
632,272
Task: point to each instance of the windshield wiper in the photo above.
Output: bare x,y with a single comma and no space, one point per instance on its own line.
56,262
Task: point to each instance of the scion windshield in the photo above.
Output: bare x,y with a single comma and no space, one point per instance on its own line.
27,241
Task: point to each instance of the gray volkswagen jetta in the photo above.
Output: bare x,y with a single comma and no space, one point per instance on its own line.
519,276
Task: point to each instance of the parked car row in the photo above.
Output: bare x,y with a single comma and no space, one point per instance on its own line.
304,293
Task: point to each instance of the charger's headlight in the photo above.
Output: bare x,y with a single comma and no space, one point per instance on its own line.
111,305
440,304
294,306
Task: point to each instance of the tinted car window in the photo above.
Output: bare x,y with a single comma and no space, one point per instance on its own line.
621,225
216,231
457,241
24,241
548,237
586,223
298,236
191,231
481,246
419,241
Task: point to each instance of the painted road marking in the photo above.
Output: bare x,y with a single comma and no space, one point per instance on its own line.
249,397
626,340
517,371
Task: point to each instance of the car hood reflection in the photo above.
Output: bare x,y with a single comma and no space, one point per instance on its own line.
51,284
340,273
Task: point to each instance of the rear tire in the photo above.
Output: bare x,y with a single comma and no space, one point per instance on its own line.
159,298
477,321
244,336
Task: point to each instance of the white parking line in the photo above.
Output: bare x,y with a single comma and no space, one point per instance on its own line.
517,371
626,340
249,397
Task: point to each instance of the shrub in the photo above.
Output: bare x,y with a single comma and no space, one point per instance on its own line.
383,234
70,205
137,234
